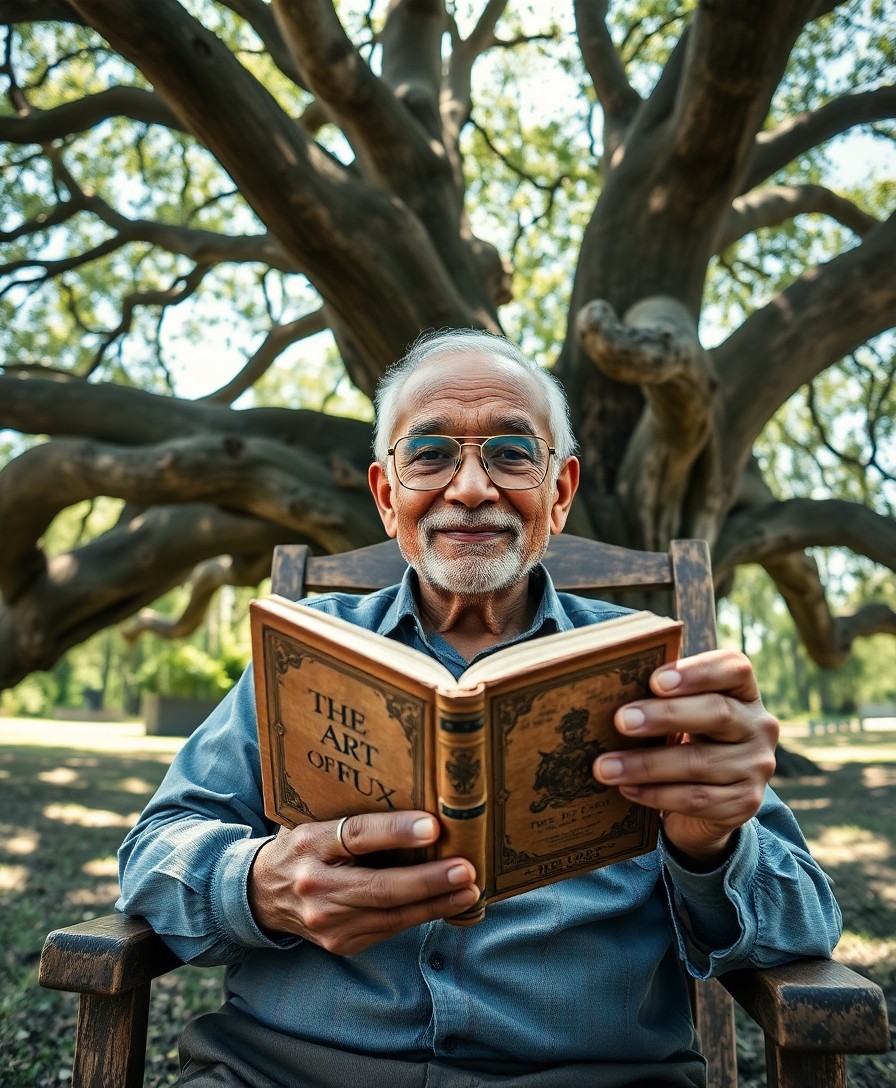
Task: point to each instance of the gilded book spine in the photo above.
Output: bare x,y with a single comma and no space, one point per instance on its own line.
461,759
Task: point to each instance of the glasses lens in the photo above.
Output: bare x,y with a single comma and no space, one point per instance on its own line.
516,462
426,461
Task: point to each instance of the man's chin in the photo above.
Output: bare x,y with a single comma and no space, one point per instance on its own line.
471,576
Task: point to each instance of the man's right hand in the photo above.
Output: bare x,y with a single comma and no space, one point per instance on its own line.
304,882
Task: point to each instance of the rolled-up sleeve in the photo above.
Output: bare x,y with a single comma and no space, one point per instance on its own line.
769,903
185,865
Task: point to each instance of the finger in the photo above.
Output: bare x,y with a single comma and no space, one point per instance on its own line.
725,806
371,832
710,714
725,671
358,930
700,762
400,886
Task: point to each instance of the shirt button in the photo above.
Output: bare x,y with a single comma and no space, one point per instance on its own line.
437,961
449,1043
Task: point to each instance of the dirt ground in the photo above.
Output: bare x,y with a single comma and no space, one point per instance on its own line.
71,790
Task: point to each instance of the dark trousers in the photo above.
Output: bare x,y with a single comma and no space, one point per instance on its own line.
226,1050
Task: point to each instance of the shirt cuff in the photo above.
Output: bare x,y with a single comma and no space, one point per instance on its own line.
230,897
707,908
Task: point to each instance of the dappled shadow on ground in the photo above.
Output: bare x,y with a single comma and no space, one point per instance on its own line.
848,815
66,809
65,812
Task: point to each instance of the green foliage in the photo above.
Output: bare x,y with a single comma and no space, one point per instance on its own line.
753,618
323,387
187,671
837,437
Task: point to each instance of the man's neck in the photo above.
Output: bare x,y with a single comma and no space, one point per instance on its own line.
472,624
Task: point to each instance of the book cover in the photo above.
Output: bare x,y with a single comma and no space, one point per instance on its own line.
351,722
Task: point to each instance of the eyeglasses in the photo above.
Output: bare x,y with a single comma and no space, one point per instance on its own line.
429,462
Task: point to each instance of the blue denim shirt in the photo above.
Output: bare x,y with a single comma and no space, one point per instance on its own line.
585,969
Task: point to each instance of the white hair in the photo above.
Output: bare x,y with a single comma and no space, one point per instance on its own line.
467,342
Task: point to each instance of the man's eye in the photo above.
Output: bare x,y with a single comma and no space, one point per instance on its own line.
511,454
431,454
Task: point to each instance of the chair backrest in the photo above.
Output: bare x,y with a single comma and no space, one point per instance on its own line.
681,577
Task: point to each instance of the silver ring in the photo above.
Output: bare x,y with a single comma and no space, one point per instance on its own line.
339,837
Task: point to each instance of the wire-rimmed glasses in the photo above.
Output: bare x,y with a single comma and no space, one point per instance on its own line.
514,462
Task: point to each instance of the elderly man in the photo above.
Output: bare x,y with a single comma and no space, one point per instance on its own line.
342,974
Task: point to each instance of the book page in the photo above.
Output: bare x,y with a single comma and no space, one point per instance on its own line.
563,645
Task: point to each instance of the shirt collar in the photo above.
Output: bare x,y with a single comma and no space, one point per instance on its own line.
549,616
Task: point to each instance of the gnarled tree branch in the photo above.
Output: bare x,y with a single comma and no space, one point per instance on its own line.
776,148
42,126
618,99
63,406
278,338
735,55
255,476
817,320
774,535
657,348
383,134
304,196
202,585
776,204
14,12
114,575
456,102
775,529
260,16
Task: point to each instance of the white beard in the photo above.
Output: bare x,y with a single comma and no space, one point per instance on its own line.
477,571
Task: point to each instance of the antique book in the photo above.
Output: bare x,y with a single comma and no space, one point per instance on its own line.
352,722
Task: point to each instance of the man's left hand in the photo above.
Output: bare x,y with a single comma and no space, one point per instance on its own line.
713,782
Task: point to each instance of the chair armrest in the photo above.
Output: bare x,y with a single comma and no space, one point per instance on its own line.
109,955
814,1004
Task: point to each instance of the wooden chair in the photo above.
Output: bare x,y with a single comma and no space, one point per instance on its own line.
812,1012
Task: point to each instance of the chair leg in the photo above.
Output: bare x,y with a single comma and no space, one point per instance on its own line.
714,1021
111,1042
803,1068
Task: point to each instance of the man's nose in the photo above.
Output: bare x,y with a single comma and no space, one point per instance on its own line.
471,484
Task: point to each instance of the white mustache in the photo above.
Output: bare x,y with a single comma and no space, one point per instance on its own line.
442,521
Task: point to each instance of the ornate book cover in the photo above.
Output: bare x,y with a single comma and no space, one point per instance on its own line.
352,722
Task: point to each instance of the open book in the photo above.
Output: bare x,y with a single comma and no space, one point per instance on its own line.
352,722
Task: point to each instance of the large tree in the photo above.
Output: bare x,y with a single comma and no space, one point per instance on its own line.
295,166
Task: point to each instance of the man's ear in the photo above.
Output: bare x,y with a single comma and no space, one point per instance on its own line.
564,492
382,496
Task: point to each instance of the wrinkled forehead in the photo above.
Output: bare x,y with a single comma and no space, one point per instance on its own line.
465,394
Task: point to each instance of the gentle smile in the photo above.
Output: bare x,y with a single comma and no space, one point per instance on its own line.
451,523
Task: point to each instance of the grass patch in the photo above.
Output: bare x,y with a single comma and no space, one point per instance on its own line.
72,790
70,794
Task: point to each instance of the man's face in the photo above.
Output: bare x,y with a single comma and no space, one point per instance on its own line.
472,537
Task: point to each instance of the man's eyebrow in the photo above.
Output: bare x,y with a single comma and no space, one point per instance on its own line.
428,426
442,425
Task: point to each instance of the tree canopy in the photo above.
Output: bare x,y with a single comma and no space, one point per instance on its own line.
650,196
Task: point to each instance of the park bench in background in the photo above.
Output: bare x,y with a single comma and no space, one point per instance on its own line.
869,711
852,722
812,1012
835,723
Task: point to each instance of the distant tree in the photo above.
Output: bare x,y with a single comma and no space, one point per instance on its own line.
272,170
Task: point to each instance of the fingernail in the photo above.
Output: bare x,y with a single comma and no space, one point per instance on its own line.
424,828
610,768
668,679
466,898
632,719
458,874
